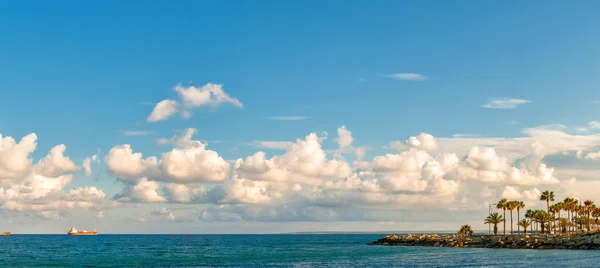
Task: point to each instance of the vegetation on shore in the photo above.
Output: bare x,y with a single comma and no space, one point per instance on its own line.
578,229
580,216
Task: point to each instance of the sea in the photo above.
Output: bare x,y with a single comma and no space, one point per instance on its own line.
277,250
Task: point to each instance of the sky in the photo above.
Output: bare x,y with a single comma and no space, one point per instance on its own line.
292,116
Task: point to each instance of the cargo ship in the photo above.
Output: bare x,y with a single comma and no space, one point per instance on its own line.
5,233
74,231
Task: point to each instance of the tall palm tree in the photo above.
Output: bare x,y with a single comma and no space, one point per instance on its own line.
494,219
568,206
580,213
558,207
520,205
596,214
588,209
525,223
511,205
547,196
529,214
502,205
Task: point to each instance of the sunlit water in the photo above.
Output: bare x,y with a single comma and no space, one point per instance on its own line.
338,250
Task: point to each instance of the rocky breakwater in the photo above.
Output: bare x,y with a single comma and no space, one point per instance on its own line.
587,241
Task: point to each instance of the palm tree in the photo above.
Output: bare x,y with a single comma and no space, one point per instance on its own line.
520,205
543,218
547,196
568,206
511,205
525,223
502,204
596,214
578,221
558,207
529,214
494,219
465,230
589,204
564,223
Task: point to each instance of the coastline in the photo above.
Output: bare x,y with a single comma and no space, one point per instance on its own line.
538,241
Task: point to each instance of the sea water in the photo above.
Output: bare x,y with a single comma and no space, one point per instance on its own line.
287,250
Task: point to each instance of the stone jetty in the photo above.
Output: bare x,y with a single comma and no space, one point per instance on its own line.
538,241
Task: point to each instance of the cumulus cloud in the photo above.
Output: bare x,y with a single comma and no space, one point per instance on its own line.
184,168
210,95
278,145
345,138
143,191
14,157
87,163
123,162
305,181
304,161
505,103
163,110
55,163
39,189
165,213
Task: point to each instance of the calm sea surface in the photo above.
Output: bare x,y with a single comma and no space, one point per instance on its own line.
337,250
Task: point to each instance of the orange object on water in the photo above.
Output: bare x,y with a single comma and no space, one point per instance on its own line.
74,231
5,233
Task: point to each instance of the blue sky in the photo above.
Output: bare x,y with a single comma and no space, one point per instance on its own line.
80,73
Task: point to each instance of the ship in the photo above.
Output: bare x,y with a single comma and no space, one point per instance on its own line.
74,231
4,233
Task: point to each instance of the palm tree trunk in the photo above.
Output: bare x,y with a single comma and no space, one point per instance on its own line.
588,220
511,223
504,220
548,209
568,220
518,220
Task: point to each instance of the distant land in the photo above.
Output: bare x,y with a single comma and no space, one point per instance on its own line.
381,232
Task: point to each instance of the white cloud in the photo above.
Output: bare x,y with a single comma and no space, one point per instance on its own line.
163,110
87,164
180,141
407,76
55,163
304,161
14,157
164,212
123,162
143,191
504,103
210,94
288,118
344,137
39,189
465,135
182,193
278,145
136,132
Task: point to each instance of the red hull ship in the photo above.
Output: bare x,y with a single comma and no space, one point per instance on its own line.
74,231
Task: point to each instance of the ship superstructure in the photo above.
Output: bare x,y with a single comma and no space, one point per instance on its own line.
74,231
